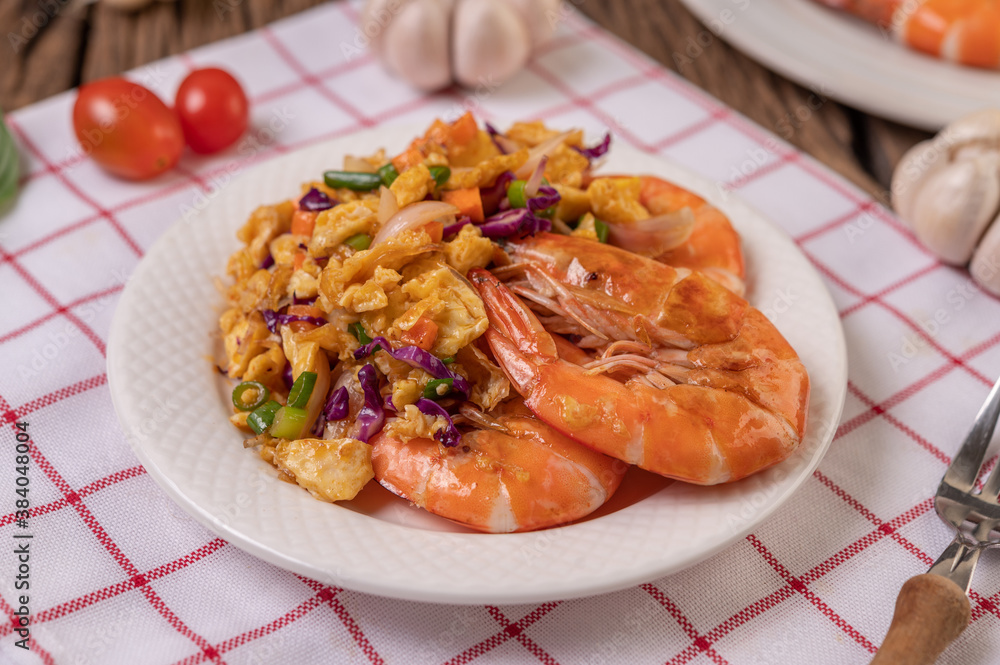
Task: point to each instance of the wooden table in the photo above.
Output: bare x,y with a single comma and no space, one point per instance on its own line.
79,43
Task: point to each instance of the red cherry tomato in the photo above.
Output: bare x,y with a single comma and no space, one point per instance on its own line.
127,129
213,110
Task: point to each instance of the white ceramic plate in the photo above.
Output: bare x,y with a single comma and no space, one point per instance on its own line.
174,407
840,56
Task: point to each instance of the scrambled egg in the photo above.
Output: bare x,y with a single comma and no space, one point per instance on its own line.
330,279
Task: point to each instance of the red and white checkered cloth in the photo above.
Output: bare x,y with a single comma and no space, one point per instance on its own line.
119,574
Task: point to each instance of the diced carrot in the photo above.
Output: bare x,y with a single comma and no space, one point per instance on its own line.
464,130
304,310
423,334
468,201
435,230
439,132
303,222
299,259
404,160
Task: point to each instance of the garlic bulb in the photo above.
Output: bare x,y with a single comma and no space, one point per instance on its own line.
948,190
431,43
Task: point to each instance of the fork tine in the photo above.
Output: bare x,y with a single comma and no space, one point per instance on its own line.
965,466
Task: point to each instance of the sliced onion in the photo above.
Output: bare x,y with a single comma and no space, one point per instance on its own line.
413,216
544,149
447,435
653,236
503,144
387,205
535,181
358,165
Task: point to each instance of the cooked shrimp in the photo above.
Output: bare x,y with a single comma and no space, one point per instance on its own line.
516,474
714,392
713,246
659,219
963,31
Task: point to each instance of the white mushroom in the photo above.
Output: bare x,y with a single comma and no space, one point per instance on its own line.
948,190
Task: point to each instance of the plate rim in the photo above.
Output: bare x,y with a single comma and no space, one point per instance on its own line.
627,577
848,60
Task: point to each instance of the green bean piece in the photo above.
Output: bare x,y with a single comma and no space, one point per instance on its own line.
388,173
449,360
262,417
356,180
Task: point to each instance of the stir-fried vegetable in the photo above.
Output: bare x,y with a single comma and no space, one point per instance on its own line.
355,180
262,417
302,390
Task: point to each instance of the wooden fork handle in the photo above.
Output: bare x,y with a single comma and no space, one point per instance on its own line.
931,611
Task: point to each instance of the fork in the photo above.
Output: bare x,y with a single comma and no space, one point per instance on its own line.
932,609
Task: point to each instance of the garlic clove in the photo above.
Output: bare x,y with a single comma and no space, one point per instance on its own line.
491,43
541,17
911,174
415,44
375,20
985,267
956,205
981,127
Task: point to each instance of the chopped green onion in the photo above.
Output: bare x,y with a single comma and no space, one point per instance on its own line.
602,230
359,333
449,360
263,416
249,395
359,241
388,173
356,180
438,388
289,423
515,194
440,174
302,390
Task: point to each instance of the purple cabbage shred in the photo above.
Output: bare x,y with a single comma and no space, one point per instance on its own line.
286,376
598,150
493,132
414,356
273,320
447,435
267,262
372,415
494,195
316,201
338,406
452,229
546,197
516,222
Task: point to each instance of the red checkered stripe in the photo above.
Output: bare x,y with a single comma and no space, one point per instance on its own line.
508,630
